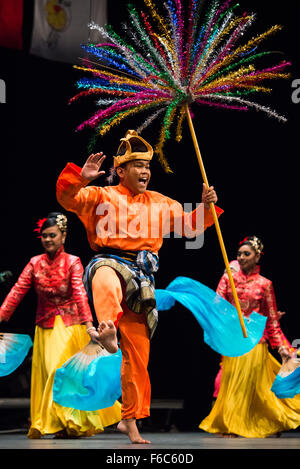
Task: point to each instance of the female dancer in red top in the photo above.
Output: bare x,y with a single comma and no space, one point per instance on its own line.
245,404
63,318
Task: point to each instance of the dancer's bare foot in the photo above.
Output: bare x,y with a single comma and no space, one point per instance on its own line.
128,426
108,336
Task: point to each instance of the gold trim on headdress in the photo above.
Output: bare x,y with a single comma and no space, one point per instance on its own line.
129,155
62,222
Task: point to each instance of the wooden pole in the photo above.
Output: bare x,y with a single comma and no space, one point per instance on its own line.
216,221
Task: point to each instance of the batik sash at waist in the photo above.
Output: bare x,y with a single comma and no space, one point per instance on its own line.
136,269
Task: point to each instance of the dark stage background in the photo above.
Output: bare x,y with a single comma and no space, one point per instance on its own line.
251,159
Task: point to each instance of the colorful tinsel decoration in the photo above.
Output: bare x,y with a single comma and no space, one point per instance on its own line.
172,59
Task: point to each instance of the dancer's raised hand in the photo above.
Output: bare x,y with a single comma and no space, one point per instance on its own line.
91,168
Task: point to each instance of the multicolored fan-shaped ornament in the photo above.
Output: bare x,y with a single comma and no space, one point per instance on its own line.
175,54
287,381
90,380
13,351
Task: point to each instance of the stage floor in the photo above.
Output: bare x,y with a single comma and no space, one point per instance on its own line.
159,441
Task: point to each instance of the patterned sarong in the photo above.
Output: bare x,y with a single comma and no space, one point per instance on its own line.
136,269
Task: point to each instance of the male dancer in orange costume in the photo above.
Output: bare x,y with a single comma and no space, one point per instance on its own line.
120,221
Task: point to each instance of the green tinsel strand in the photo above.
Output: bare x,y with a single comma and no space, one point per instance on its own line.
238,93
215,28
120,113
92,143
233,7
166,122
207,18
109,120
163,74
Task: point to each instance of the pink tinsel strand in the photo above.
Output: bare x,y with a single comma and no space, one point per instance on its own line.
239,83
94,121
225,52
207,34
244,80
151,77
180,32
99,91
125,103
219,105
86,62
273,69
110,44
223,7
189,36
154,39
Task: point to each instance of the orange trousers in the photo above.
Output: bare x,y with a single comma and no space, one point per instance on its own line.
108,297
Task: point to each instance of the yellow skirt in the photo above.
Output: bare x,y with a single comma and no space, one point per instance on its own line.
245,405
51,349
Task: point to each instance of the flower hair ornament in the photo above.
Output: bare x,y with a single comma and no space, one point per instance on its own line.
254,242
62,222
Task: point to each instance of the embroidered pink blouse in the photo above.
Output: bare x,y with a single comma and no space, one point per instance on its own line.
255,293
59,288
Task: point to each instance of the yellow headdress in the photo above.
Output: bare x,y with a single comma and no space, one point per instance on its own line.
125,153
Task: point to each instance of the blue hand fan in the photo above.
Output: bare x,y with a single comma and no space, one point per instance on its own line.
217,317
287,381
90,380
13,350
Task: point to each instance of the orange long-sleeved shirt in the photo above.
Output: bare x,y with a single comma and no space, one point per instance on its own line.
114,217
